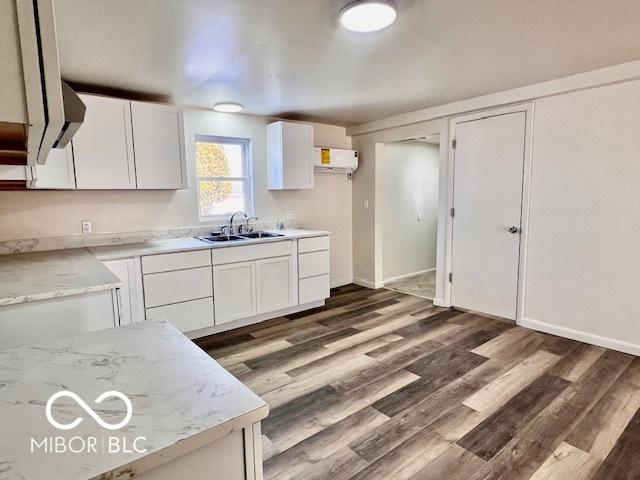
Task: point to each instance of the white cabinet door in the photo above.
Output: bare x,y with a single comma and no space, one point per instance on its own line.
103,146
234,291
290,155
130,296
276,284
58,172
159,146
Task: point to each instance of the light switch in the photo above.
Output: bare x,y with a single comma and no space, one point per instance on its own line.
366,204
419,217
86,226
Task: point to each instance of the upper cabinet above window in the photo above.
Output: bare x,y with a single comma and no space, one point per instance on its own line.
290,156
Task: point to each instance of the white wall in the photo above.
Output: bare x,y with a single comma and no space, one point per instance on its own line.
582,274
34,214
583,263
409,187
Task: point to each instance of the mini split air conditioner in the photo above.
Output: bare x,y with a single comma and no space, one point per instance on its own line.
335,160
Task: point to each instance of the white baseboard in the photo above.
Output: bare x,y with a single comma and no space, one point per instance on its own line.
367,283
439,302
585,337
406,275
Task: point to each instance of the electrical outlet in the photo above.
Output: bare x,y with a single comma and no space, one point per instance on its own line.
366,204
86,226
419,217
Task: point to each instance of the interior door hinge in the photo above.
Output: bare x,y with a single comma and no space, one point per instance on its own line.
454,143
450,277
452,212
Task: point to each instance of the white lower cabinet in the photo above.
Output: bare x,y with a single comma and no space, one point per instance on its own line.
234,287
275,284
209,288
130,301
186,316
43,320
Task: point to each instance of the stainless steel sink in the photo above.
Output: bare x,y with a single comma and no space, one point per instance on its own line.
221,238
261,235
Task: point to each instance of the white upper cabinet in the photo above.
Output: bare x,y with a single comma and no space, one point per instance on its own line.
103,147
159,146
57,172
290,156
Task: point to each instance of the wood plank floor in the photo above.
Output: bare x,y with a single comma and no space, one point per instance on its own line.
382,385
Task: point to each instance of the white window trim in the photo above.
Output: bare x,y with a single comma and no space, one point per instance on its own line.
247,179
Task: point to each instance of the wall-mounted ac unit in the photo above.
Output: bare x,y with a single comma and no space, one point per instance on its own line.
335,160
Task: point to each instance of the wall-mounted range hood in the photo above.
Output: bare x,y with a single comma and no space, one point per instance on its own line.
38,111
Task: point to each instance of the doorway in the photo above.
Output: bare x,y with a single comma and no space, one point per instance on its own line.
409,182
488,153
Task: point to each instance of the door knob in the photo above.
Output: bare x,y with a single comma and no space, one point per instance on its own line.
514,229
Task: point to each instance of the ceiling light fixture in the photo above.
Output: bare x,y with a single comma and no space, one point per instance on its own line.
227,107
368,15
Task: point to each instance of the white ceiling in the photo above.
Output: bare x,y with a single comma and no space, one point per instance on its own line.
290,58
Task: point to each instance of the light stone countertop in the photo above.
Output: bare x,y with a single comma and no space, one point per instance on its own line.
115,252
181,399
27,277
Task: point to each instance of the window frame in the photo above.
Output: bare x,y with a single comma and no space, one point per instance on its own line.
247,179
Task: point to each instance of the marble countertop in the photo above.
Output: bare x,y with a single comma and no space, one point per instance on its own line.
27,277
115,252
178,393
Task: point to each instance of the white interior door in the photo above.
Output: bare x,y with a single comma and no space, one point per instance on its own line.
488,173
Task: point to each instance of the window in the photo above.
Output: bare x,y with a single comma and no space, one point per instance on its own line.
223,170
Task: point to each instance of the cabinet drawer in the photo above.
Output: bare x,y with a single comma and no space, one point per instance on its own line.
313,264
313,244
313,289
179,286
186,316
246,253
175,261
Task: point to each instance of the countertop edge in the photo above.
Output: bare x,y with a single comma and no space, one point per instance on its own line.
4,302
119,252
184,446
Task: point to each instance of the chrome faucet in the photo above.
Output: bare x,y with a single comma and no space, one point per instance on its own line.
231,230
246,228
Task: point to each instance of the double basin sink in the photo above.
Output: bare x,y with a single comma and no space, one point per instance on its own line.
217,238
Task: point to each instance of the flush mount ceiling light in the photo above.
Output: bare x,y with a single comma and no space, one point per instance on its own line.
368,15
227,107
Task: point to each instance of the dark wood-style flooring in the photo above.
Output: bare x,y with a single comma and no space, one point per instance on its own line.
381,385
